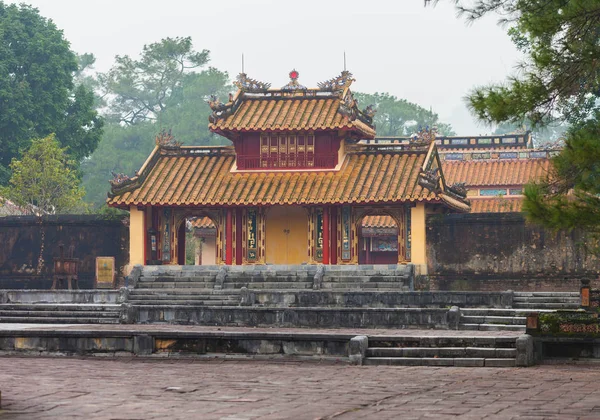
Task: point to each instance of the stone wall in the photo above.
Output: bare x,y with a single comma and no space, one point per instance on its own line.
500,251
89,236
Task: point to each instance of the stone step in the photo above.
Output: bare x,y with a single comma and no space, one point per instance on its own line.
64,314
496,312
185,303
207,279
439,361
57,320
183,297
504,320
365,286
449,352
182,291
491,327
436,341
546,294
181,285
269,285
365,279
535,306
555,299
79,307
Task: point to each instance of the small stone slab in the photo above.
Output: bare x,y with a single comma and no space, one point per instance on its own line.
500,362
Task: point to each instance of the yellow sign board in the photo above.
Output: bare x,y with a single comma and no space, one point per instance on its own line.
105,272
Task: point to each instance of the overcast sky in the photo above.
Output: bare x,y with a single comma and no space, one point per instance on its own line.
425,55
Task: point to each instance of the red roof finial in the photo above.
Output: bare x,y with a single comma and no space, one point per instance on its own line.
294,74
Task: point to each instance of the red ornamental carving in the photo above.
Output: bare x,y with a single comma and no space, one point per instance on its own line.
294,74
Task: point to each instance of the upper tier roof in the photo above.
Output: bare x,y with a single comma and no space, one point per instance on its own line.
258,108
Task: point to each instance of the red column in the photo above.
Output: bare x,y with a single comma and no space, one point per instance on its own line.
325,235
333,238
238,236
228,238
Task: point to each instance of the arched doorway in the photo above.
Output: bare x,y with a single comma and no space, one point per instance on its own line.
197,241
378,239
286,230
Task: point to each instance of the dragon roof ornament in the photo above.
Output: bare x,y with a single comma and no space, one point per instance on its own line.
166,140
338,83
247,84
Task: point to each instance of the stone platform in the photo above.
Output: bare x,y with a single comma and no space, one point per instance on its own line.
376,346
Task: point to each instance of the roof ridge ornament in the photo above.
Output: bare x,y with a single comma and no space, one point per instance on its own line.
424,135
165,139
247,84
293,84
338,83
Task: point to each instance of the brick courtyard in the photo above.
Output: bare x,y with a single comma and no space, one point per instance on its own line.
127,389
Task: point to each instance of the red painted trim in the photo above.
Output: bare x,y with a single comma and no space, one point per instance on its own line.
333,239
326,235
229,237
238,236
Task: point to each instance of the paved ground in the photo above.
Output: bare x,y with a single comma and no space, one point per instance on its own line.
128,389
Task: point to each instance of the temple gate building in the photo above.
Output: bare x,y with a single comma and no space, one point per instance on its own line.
295,186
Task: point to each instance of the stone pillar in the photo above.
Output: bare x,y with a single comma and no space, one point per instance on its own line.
137,237
418,241
325,235
525,354
358,349
229,237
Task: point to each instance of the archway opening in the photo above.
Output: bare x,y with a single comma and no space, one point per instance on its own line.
197,241
378,240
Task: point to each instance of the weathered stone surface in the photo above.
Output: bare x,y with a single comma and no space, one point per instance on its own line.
501,251
358,349
143,345
454,318
525,350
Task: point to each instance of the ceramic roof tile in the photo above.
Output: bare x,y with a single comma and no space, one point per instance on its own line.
289,113
495,172
191,178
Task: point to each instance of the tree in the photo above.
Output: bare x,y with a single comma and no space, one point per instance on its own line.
561,76
559,82
398,117
182,109
37,94
44,179
139,90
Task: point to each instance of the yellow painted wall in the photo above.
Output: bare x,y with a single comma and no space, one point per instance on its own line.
290,248
418,238
209,250
136,236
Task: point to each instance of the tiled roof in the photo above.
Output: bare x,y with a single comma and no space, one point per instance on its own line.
289,113
193,176
381,221
203,223
494,172
496,205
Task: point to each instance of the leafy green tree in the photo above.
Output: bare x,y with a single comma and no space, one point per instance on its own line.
559,81
543,136
44,179
37,93
182,109
560,77
398,117
139,90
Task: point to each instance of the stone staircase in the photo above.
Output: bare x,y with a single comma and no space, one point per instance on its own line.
271,277
368,278
461,351
184,296
60,313
488,319
546,300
